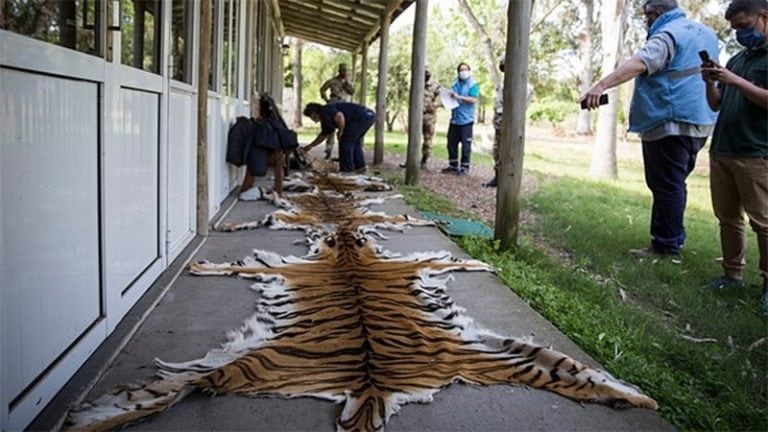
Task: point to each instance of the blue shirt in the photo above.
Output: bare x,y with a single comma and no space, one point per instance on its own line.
464,113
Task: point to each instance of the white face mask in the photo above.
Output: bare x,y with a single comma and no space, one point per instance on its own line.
463,75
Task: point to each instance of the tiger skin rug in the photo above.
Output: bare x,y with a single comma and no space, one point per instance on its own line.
323,211
360,326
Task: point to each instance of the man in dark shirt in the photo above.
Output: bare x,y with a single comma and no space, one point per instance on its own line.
351,121
739,151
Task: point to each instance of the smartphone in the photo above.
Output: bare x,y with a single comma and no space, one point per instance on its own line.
704,56
603,101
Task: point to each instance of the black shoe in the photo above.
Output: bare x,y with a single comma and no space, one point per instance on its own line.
449,170
726,282
491,183
462,172
403,165
650,252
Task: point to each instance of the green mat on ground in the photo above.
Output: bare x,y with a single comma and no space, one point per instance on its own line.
459,227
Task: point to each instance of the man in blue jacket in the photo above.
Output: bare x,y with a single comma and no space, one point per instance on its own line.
670,112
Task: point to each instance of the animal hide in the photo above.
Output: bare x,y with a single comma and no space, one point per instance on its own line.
354,324
340,183
325,211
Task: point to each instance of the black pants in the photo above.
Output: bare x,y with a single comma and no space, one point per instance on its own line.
463,134
668,162
351,155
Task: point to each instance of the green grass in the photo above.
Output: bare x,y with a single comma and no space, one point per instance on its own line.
699,386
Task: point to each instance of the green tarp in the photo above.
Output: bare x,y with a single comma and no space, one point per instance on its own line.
459,227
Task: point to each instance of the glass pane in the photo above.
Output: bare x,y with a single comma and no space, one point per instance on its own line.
140,34
230,44
181,40
72,24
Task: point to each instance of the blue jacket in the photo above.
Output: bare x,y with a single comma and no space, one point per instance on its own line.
676,93
465,112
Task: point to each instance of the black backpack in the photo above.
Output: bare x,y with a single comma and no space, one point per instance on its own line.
288,139
239,141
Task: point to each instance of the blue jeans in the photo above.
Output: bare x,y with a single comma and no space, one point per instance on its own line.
456,134
668,162
351,155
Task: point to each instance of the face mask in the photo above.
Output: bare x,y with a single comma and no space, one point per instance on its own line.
463,75
750,38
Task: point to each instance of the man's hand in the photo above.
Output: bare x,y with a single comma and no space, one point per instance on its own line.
591,99
712,72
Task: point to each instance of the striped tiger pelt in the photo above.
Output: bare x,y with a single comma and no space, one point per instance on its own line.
359,326
325,211
334,182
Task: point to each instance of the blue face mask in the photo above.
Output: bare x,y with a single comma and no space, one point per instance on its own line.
750,37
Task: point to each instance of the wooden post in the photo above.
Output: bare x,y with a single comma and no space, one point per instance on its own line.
202,117
297,46
364,74
353,70
512,144
381,91
416,104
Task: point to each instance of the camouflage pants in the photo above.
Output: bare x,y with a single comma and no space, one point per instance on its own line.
428,132
496,138
496,141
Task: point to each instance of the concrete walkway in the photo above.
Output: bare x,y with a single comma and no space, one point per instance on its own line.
181,318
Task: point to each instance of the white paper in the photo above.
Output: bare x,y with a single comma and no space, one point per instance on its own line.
448,101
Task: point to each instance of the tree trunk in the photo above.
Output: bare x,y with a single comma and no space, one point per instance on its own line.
512,144
584,126
614,16
490,56
298,44
416,100
381,91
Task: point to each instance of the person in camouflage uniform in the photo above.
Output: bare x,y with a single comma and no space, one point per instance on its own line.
431,92
341,91
498,111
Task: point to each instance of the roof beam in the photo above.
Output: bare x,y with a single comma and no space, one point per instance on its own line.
391,7
302,14
300,19
312,36
323,8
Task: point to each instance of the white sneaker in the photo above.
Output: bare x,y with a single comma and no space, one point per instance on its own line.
252,194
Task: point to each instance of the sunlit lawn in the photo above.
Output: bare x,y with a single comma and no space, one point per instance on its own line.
651,322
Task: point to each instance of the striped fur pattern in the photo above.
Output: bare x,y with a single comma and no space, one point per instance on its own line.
322,210
334,182
357,325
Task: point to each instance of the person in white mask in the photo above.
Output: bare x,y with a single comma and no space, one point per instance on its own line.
466,91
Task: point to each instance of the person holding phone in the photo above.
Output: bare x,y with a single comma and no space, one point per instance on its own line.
739,152
670,112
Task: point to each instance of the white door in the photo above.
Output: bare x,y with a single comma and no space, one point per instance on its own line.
134,112
51,303
182,126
